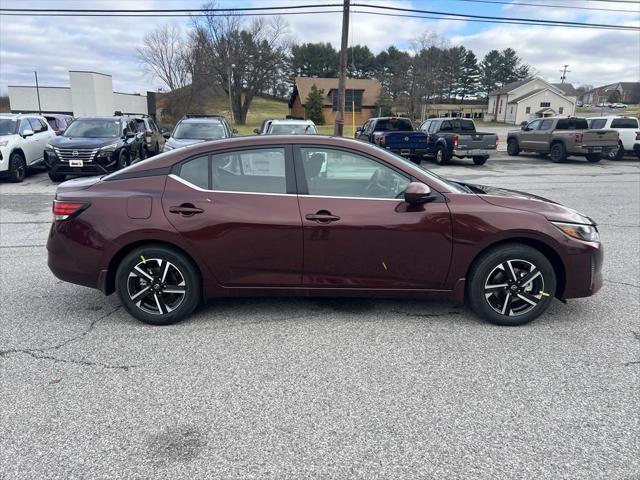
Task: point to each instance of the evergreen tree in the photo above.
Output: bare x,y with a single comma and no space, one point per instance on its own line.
314,60
490,72
512,69
361,63
470,80
314,105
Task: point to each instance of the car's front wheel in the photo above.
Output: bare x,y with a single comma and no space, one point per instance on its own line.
17,167
511,285
158,285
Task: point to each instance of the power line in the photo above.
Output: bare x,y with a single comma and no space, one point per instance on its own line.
501,2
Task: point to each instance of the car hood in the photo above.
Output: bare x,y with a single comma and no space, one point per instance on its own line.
528,202
6,137
79,142
183,142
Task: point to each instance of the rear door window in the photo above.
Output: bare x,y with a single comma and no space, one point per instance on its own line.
252,171
467,126
597,123
196,172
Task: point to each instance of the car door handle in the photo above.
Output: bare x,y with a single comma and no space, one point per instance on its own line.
322,217
186,209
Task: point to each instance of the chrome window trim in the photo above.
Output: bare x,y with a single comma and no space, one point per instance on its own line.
199,189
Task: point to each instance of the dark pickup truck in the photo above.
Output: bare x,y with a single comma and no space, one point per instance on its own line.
396,134
457,137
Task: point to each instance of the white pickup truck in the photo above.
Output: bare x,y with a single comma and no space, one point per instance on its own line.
22,141
628,130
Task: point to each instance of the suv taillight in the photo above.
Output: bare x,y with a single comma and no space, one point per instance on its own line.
637,135
456,140
578,136
64,210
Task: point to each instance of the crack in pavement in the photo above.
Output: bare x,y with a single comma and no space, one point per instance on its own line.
622,283
41,353
636,335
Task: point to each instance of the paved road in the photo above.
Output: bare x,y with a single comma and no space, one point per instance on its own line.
308,388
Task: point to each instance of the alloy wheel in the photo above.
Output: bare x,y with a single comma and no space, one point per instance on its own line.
156,286
514,287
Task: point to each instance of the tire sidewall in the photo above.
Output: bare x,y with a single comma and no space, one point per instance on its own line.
483,267
17,167
557,153
123,160
479,160
441,155
512,147
191,275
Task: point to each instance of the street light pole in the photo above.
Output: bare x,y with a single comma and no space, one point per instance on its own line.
38,93
231,67
342,77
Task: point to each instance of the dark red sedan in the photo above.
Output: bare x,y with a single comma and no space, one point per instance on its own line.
314,216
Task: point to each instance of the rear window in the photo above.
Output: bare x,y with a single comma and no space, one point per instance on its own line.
597,123
467,126
394,125
624,123
572,124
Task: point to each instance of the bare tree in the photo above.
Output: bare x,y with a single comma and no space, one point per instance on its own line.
244,57
165,55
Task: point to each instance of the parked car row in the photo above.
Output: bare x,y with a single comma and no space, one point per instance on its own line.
78,147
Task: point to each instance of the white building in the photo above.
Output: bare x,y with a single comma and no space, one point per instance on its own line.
531,98
89,93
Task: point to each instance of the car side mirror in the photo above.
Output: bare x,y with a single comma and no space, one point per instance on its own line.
166,135
27,133
417,193
256,131
234,131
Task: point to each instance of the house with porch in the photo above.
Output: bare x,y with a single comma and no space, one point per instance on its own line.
628,92
361,96
531,98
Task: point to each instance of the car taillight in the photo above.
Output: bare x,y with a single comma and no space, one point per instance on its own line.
63,210
579,136
497,139
637,135
456,140
382,140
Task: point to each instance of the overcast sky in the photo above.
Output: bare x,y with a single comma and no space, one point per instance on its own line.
54,45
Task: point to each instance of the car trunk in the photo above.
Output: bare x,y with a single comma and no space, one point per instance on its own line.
599,138
468,141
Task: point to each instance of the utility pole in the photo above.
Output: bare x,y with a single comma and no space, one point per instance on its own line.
564,72
342,75
38,93
229,88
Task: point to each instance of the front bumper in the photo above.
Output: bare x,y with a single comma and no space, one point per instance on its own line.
473,152
583,267
4,159
98,166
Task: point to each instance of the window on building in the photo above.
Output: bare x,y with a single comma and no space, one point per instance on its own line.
545,104
560,110
352,98
528,110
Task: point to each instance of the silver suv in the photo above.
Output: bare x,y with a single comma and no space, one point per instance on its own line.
198,128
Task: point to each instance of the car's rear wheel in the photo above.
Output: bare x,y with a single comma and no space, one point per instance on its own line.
511,285
480,160
616,153
558,153
594,157
513,149
442,158
158,285
17,167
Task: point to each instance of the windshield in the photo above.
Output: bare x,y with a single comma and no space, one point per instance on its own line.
291,129
7,126
93,128
394,125
198,131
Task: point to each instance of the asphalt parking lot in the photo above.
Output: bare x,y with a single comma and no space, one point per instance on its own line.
325,388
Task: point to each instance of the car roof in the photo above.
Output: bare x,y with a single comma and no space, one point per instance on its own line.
98,117
292,121
20,115
201,120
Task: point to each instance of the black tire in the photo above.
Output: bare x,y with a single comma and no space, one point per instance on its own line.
123,160
57,177
616,154
558,153
492,268
480,160
161,308
513,149
594,157
17,167
442,156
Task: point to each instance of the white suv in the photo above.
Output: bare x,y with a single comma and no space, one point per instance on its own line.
628,132
22,141
291,127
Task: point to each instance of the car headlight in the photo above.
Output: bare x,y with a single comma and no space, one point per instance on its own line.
108,148
48,146
586,233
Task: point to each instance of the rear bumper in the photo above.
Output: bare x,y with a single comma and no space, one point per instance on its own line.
474,152
406,152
